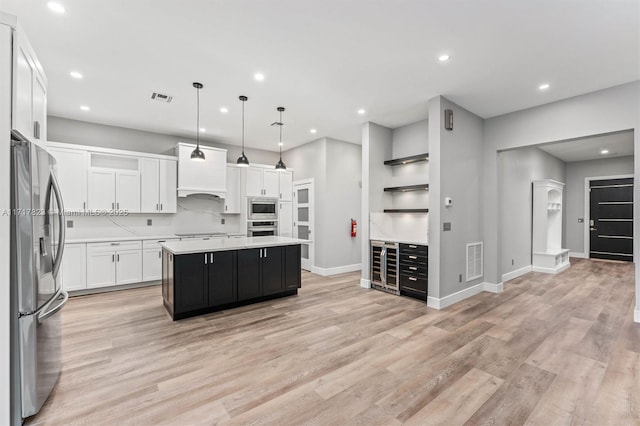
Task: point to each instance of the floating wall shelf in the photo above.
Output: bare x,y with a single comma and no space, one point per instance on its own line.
406,210
407,160
422,187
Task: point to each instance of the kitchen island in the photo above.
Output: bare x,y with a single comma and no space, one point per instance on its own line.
210,275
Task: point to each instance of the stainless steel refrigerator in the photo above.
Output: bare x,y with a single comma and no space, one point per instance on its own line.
37,245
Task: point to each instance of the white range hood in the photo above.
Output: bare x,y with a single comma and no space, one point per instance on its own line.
202,177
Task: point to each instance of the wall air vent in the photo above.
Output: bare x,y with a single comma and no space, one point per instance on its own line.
474,260
161,97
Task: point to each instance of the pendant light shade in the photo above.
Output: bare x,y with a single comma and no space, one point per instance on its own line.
197,154
243,161
280,164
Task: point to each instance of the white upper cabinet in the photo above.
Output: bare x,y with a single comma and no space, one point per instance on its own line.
202,177
286,185
232,199
128,191
285,219
158,190
102,189
262,182
29,107
71,172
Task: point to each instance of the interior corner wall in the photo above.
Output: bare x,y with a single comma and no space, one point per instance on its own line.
460,178
309,161
436,114
520,167
101,135
605,111
575,193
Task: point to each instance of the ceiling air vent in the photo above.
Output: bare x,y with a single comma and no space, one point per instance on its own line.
161,97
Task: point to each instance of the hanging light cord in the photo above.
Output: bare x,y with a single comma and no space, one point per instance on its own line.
243,128
280,144
198,118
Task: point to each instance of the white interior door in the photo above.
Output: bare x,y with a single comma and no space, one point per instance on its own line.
303,220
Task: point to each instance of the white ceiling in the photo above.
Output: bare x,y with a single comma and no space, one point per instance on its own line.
618,144
322,60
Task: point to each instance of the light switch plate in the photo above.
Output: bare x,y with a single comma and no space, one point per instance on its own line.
149,222
446,226
69,224
222,221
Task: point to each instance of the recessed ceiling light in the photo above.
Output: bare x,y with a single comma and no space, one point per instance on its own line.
84,108
224,110
56,7
544,86
361,111
444,58
202,129
258,76
604,151
314,131
75,74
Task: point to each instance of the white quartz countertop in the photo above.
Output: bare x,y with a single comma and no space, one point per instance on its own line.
400,240
77,239
222,244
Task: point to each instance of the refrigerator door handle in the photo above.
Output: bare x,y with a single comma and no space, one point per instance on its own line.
46,313
61,236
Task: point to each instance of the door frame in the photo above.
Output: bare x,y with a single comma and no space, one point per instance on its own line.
587,208
312,219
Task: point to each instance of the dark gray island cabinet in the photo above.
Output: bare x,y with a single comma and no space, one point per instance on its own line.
206,276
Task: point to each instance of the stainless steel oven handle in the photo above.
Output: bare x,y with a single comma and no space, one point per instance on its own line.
62,235
46,313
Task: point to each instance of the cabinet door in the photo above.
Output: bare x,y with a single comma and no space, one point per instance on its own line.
74,267
272,279
39,108
101,268
168,186
102,189
254,182
286,185
232,199
152,264
128,191
222,278
292,269
22,119
71,171
129,266
249,285
285,219
191,284
150,185
271,183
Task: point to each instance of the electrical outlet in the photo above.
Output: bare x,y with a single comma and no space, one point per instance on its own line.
446,226
149,222
69,224
222,221
460,278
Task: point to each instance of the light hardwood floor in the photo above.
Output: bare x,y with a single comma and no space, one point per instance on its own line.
548,350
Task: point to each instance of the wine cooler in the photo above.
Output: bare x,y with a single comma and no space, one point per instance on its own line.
385,266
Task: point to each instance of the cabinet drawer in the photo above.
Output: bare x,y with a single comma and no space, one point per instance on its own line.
414,270
414,284
414,249
412,259
116,245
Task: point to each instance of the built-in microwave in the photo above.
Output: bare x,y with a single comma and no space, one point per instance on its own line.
262,209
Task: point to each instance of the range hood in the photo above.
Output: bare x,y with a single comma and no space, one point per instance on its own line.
207,177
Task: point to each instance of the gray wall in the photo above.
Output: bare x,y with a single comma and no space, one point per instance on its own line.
459,177
519,167
407,138
605,111
85,133
574,194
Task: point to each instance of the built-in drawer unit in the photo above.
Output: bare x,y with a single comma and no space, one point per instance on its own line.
414,270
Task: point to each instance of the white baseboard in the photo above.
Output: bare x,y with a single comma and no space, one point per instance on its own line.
493,288
365,283
325,272
636,314
433,302
556,270
578,255
516,273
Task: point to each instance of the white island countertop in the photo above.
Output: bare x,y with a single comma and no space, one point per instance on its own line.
222,244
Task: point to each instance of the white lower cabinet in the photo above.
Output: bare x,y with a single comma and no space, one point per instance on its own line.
74,267
114,263
152,259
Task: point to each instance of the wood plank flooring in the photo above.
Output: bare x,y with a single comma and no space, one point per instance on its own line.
548,350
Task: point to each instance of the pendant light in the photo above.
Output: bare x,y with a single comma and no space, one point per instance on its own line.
243,161
197,154
280,164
